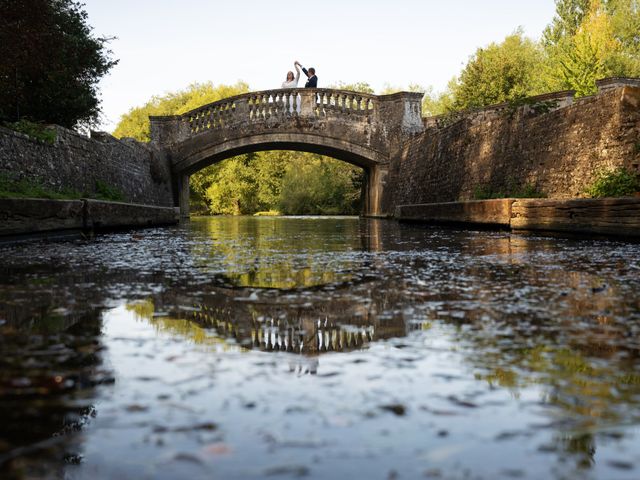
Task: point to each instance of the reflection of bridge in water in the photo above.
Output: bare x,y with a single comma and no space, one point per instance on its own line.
310,327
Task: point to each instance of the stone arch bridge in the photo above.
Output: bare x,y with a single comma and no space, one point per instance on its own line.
364,130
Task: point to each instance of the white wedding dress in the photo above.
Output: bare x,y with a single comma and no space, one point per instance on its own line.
292,83
294,99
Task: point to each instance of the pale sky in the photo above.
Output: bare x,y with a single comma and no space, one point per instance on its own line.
164,45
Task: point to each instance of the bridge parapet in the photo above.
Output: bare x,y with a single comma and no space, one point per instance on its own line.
286,104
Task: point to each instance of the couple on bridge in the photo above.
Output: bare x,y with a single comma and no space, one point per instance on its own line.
292,81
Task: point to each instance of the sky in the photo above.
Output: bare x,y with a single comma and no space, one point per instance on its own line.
165,45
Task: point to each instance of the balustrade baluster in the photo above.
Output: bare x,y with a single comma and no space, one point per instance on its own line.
218,113
295,97
287,104
326,103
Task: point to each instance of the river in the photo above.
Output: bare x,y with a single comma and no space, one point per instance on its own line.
242,347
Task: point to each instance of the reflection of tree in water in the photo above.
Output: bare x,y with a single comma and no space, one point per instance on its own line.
278,253
49,365
579,352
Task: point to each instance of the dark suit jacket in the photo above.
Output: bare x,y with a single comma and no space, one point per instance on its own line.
312,82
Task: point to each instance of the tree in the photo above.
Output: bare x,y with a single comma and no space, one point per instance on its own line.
589,40
568,18
439,103
498,73
362,87
319,186
135,123
50,62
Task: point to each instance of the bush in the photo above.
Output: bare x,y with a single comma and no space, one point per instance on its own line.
619,182
107,192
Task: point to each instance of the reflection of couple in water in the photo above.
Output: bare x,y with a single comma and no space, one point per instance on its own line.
292,81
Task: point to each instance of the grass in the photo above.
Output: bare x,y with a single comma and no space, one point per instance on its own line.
12,188
34,130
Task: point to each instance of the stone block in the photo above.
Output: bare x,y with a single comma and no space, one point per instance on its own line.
607,216
34,215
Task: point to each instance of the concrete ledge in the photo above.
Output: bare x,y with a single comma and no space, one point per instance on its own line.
20,217
100,215
606,216
35,215
479,212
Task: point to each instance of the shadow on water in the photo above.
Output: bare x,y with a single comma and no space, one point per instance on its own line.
439,322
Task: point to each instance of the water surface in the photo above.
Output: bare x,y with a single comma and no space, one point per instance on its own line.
319,348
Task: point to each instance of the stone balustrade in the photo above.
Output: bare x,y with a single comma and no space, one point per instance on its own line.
278,104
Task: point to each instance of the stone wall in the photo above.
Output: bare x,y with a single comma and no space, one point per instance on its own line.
557,150
140,172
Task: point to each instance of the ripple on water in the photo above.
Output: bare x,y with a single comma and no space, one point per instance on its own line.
244,348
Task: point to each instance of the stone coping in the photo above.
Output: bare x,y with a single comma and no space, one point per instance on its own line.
615,217
616,82
28,216
602,84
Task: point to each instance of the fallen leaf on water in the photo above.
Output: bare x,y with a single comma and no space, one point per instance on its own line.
218,448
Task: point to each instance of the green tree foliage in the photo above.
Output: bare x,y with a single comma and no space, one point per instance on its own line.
135,123
362,87
50,62
242,185
585,41
568,18
586,53
500,72
319,185
439,103
591,39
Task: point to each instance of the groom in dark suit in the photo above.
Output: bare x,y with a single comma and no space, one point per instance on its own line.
312,81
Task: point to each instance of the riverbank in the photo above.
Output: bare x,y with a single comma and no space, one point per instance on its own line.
619,217
24,218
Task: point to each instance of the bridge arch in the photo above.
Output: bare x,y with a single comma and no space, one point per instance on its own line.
357,128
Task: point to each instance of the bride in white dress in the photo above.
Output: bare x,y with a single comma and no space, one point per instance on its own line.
291,81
